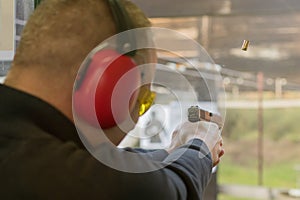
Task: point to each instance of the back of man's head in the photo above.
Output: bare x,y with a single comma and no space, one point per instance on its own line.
60,34
55,41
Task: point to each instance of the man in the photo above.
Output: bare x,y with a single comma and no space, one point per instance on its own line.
41,155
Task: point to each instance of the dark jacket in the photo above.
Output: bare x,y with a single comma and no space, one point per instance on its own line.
42,157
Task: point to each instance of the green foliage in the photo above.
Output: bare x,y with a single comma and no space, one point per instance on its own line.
239,122
282,175
281,149
278,124
279,176
230,172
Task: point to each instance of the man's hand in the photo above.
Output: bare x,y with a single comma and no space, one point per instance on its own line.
217,152
208,132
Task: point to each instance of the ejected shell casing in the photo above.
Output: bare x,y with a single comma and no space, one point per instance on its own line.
245,45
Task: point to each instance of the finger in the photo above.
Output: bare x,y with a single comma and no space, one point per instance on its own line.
216,163
217,152
221,153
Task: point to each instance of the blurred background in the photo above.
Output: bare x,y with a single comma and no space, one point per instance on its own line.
261,85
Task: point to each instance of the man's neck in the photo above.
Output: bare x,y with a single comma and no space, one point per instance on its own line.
49,88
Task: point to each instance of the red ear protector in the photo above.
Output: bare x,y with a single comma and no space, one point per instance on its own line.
97,79
95,94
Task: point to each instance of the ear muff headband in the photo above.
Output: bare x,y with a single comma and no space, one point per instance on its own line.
123,23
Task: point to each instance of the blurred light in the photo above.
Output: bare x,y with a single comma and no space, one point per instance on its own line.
270,81
240,81
283,81
226,81
171,65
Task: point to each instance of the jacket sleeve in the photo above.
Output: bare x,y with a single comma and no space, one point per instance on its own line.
153,154
192,166
189,167
52,169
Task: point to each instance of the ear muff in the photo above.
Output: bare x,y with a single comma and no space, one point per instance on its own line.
106,86
108,82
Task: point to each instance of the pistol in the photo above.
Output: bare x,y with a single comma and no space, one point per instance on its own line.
196,114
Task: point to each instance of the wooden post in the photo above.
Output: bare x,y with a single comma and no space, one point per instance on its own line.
204,31
36,3
260,88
